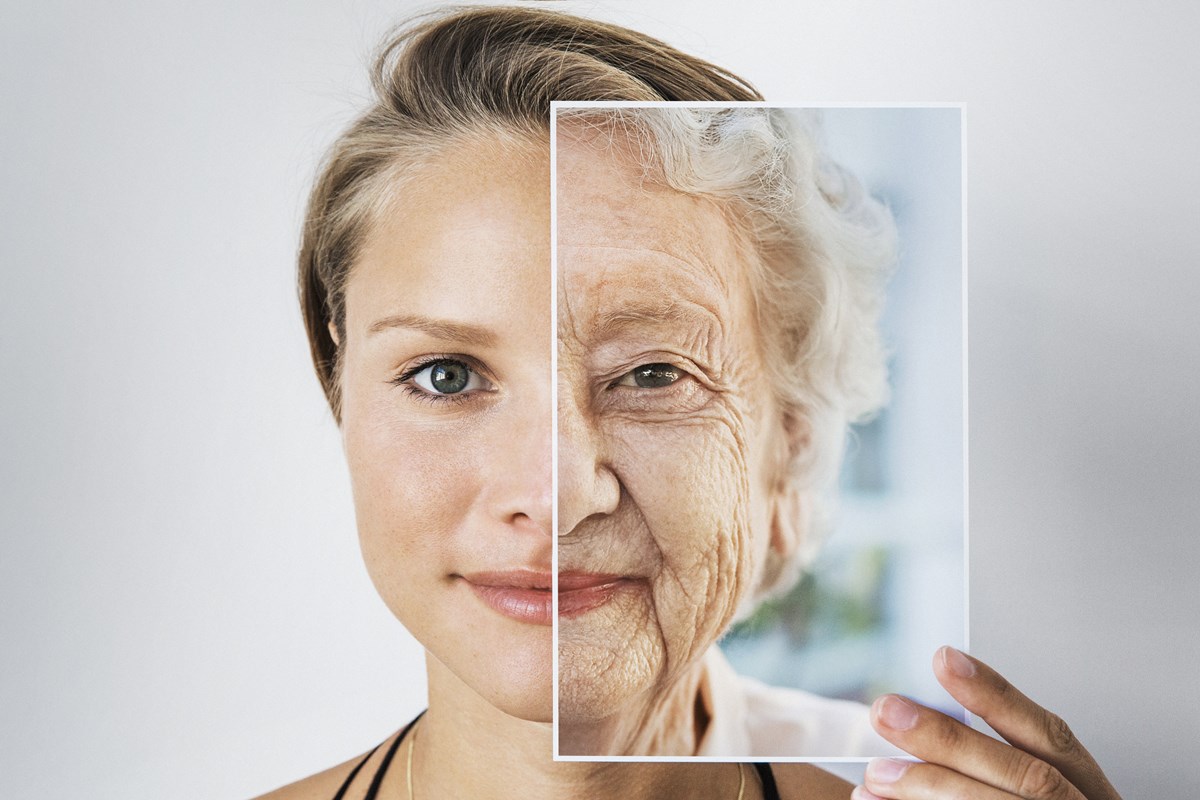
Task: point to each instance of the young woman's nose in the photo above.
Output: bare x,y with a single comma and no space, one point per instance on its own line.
520,474
586,484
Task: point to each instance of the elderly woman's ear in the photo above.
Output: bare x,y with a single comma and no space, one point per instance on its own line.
790,500
791,511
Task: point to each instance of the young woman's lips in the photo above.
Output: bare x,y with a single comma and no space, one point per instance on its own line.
580,592
523,595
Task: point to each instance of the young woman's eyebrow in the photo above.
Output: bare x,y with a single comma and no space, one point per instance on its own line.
464,332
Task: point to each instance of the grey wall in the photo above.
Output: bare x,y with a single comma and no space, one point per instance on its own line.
181,607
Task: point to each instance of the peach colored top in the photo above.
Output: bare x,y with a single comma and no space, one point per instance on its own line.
751,719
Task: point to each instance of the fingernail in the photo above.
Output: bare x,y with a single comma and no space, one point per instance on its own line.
862,793
958,663
897,713
886,770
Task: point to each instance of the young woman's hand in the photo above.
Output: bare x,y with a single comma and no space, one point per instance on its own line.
1043,760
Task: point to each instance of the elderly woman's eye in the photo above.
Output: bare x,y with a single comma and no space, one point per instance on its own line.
651,376
445,377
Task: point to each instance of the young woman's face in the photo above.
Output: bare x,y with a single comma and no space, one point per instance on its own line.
446,417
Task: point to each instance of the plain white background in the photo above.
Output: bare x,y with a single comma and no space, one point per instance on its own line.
183,613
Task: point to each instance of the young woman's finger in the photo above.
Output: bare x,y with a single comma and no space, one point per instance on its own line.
896,779
947,743
1022,722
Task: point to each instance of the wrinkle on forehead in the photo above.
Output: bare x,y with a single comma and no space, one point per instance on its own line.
628,243
627,289
606,198
679,233
653,311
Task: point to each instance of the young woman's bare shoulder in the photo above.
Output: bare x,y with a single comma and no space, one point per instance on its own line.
809,782
324,785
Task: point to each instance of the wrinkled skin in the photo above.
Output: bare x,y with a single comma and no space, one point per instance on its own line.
666,486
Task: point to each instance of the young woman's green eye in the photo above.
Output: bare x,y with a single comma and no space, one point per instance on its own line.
446,377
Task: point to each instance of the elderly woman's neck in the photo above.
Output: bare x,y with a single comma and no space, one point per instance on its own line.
670,721
466,747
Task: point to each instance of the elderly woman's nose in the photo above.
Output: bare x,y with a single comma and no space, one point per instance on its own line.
586,484
519,476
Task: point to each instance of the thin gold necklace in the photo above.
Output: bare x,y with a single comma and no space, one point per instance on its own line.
412,742
408,772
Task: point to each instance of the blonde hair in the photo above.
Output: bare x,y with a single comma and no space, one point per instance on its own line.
450,76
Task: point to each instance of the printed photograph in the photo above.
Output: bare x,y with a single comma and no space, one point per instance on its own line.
760,424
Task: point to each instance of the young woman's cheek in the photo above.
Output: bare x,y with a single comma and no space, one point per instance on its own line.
414,481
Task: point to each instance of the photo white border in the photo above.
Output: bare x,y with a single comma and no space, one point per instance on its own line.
555,105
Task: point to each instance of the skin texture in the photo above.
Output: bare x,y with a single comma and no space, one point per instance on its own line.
449,486
667,487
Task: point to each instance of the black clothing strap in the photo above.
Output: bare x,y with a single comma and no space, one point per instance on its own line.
770,790
377,779
341,792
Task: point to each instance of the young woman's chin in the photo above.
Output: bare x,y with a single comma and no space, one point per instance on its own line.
509,670
529,697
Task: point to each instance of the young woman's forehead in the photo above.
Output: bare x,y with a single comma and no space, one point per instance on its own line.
469,238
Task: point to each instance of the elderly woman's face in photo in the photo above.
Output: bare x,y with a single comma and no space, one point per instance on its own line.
667,427
446,417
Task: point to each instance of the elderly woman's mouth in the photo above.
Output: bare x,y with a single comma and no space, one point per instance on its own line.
581,592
